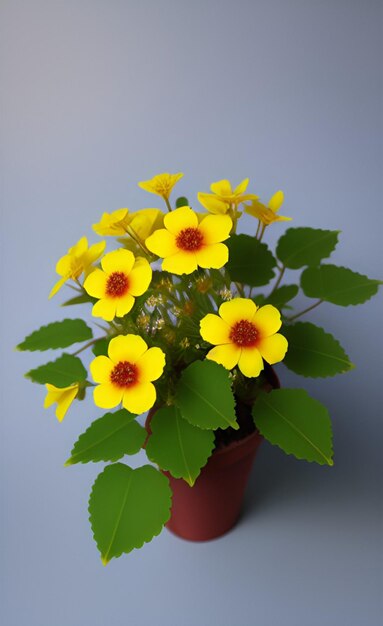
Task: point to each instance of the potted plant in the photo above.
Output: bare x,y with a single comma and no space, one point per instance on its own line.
188,330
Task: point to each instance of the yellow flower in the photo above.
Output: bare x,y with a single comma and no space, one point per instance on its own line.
121,279
185,243
244,335
63,396
162,184
224,197
78,260
144,222
113,223
126,374
268,214
121,222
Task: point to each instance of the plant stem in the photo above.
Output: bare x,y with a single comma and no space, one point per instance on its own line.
167,204
262,232
309,308
258,229
87,345
279,279
73,287
135,238
240,289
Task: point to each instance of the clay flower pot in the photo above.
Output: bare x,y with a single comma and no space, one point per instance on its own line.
212,506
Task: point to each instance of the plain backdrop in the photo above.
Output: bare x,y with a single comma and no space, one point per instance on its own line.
96,96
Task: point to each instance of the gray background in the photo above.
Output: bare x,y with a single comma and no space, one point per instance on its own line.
96,96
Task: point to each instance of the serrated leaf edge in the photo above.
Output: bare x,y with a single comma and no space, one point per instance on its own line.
156,533
190,481
324,230
328,461
70,461
348,363
341,267
77,319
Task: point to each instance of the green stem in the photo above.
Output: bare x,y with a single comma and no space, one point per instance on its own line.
309,308
262,232
240,290
168,204
74,288
279,279
87,345
258,229
135,238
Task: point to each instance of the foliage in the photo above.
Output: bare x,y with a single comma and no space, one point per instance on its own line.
189,341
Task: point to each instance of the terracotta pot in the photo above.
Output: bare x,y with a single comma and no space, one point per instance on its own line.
212,506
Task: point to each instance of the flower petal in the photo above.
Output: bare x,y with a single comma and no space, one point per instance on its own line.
105,308
162,243
126,348
65,401
273,349
95,284
215,228
140,277
213,204
241,188
214,256
181,218
250,362
101,368
79,248
276,201
180,263
124,305
94,252
57,286
151,365
237,309
267,320
227,355
145,221
282,218
222,188
64,265
120,260
257,210
214,329
107,395
147,185
139,398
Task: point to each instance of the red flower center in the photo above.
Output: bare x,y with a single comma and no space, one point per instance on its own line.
117,285
190,239
244,334
124,374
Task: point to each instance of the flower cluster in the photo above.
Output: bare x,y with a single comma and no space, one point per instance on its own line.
186,243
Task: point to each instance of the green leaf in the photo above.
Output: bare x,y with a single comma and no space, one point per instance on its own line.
313,352
177,446
305,246
57,335
83,298
109,438
181,201
204,396
292,420
250,261
65,371
100,348
282,295
128,507
338,285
